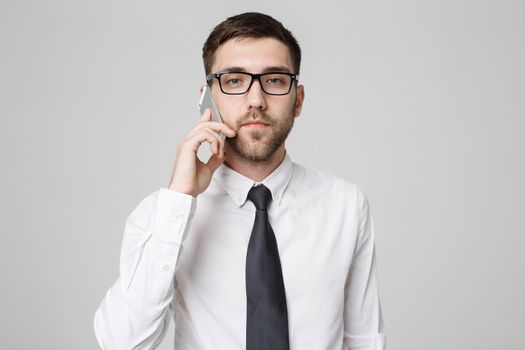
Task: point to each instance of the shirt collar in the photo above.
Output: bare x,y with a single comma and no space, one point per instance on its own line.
237,185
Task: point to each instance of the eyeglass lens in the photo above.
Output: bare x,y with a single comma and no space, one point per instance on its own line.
271,83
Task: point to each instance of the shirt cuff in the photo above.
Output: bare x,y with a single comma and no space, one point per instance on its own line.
373,342
170,215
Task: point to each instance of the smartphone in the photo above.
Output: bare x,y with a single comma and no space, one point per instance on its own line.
206,101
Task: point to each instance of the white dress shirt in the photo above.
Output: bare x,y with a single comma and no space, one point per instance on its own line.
184,258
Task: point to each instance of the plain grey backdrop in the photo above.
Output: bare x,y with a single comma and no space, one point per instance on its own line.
420,102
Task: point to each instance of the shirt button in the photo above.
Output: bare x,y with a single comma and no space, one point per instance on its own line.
165,267
179,215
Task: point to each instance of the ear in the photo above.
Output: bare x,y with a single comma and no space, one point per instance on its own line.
299,101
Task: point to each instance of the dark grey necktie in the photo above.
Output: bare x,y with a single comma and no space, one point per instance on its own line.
267,317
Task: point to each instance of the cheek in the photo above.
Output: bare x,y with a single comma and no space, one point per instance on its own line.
288,108
224,106
229,112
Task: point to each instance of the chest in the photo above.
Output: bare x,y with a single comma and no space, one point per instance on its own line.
315,244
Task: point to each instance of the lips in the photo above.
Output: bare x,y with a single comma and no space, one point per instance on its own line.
255,124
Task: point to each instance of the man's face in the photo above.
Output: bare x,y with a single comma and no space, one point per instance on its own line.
262,121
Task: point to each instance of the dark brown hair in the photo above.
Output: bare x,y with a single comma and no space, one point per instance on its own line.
249,25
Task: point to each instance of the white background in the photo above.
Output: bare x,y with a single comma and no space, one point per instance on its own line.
420,102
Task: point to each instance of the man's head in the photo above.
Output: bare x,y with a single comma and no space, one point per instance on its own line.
254,43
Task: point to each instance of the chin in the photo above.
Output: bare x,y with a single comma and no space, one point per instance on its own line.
253,150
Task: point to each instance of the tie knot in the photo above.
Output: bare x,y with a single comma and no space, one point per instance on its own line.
260,196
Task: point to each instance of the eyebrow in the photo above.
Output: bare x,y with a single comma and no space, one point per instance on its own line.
276,69
280,69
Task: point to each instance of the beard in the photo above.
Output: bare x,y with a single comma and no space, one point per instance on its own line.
260,145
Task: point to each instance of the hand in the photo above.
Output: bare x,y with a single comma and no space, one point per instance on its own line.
190,174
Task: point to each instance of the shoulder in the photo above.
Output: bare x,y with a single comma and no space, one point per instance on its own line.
328,185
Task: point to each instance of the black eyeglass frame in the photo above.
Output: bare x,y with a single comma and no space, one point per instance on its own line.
217,75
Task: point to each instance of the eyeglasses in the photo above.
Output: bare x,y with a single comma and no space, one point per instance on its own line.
238,83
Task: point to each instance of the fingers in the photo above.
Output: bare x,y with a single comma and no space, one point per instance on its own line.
205,122
216,144
197,138
217,127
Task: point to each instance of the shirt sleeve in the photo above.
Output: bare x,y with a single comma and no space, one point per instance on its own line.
136,310
363,321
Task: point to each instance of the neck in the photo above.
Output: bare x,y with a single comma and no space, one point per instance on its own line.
257,171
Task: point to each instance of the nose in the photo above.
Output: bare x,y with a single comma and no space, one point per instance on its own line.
256,96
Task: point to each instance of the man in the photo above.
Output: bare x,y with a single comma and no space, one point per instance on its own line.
250,250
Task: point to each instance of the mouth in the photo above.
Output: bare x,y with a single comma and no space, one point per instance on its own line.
254,124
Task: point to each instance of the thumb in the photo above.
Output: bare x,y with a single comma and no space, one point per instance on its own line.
214,162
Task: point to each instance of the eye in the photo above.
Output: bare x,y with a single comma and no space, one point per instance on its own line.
233,81
276,79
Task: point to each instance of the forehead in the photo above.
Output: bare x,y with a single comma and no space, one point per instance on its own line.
252,54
